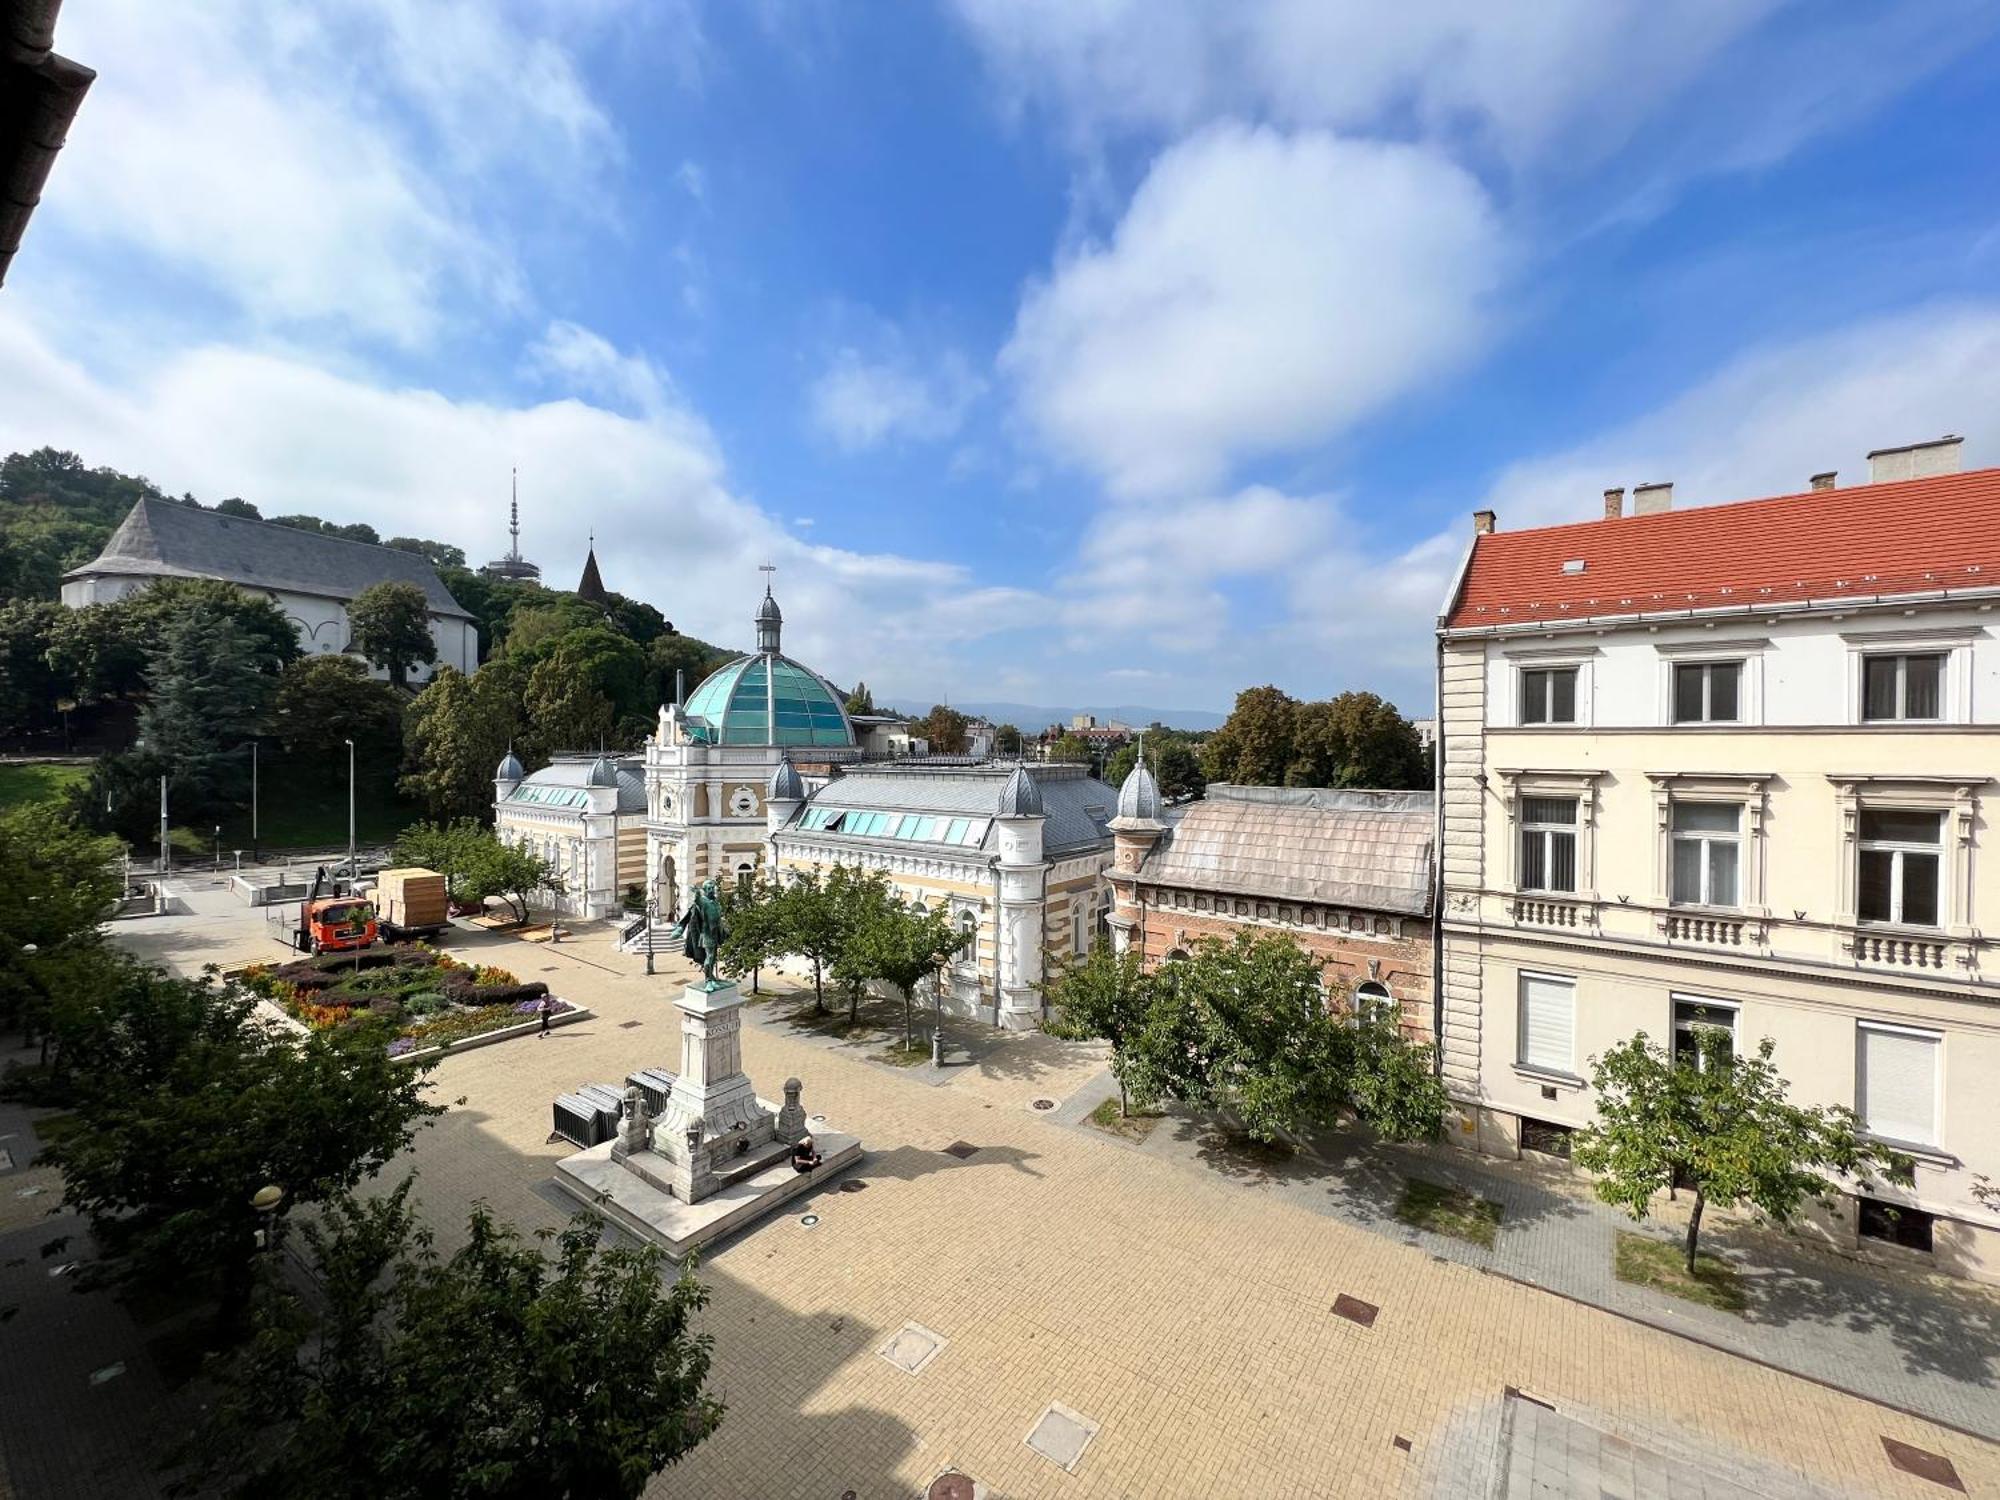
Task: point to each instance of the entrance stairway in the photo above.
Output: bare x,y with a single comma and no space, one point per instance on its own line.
642,935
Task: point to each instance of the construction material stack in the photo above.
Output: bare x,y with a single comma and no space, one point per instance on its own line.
411,902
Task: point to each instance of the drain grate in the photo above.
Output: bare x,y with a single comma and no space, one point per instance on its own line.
628,1025
853,1185
1355,1310
1402,1445
1923,1463
960,1149
1045,1104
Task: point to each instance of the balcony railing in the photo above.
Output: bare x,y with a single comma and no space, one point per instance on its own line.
1895,951
1538,913
1719,932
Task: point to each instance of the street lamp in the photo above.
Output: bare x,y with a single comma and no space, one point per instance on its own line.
652,916
218,848
350,817
266,1200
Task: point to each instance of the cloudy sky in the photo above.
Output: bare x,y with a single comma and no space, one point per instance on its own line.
1066,351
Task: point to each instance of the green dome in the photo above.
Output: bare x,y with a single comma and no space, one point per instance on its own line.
767,700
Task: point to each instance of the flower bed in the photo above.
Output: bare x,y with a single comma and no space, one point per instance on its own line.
414,996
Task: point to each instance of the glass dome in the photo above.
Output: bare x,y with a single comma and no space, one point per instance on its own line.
767,700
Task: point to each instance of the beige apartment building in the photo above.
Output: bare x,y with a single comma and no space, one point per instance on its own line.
1736,765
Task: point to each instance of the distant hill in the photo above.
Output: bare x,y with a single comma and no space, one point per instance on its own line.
1035,716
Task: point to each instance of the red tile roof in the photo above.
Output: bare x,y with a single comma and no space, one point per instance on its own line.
1910,537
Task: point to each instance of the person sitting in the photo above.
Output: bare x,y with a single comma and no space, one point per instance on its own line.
804,1157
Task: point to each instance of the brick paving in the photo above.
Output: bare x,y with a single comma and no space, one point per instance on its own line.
1184,1311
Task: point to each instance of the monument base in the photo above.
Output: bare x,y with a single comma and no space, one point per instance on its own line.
630,1192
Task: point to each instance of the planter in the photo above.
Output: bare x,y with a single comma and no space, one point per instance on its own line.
500,1034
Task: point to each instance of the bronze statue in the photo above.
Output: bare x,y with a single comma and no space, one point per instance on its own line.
705,932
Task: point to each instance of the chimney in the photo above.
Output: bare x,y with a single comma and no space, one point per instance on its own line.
1825,481
1915,460
1651,499
1614,503
1482,522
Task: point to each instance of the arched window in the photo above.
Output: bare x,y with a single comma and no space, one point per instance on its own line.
968,924
1177,955
1372,1001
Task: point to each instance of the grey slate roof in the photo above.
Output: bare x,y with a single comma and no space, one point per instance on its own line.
160,539
581,772
1139,797
1340,848
786,785
1020,798
1078,806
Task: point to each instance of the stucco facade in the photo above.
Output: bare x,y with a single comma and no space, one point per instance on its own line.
1775,820
585,816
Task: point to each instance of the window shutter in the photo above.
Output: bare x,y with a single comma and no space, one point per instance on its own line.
1899,1085
1547,1023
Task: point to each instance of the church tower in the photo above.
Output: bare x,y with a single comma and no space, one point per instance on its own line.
1134,833
590,588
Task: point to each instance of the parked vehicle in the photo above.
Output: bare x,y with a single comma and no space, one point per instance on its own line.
411,902
334,924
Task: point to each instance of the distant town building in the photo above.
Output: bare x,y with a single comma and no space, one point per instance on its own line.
887,736
584,814
1345,874
513,567
1734,767
310,576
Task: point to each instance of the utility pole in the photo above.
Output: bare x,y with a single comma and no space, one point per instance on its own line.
165,857
253,802
350,818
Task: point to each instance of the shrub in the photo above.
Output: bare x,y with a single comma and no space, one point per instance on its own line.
427,1003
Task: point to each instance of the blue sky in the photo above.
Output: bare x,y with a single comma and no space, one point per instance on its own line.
1062,351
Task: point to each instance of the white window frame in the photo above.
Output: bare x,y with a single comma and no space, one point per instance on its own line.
1897,850
1541,694
1542,658
1707,669
1547,833
1734,1008
1747,791
1932,1142
1746,653
1954,682
1373,998
1956,796
1522,1063
1582,785
1703,842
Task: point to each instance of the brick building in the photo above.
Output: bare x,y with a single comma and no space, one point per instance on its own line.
1347,874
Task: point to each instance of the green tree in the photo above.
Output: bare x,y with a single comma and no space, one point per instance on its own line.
1007,739
901,945
861,701
324,701
451,849
184,1107
56,883
750,920
1718,1123
509,871
679,658
1107,996
98,653
455,733
863,900
150,613
441,554
565,711
1356,740
1254,745
816,918
30,682
390,625
944,728
234,506
1072,747
1175,765
207,697
494,1371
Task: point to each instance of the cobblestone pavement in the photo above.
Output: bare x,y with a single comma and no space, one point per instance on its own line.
1188,1316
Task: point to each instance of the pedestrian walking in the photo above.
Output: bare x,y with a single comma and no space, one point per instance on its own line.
546,1009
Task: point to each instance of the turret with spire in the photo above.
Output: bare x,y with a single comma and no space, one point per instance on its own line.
590,588
770,619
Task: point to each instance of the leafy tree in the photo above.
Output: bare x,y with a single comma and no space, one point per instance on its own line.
56,883
323,701
454,734
816,918
1720,1124
207,697
1356,740
565,711
900,945
301,523
1254,745
1007,739
451,849
1072,746
1173,761
390,625
636,620
1108,996
441,554
185,1106
494,1371
99,652
30,683
944,728
679,657
354,531
750,918
234,506
864,899
509,871
150,613
861,701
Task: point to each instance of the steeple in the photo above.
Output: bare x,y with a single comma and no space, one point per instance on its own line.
591,587
770,619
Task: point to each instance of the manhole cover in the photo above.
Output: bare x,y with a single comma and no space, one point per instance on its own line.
950,1487
809,1220
1061,1434
1045,1104
853,1185
913,1347
960,1149
1355,1310
1923,1463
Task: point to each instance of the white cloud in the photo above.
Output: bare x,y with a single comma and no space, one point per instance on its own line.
325,167
574,356
222,420
1261,293
1768,420
861,402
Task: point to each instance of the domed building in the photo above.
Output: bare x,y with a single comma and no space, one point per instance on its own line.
584,814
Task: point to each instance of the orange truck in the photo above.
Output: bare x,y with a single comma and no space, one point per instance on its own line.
334,924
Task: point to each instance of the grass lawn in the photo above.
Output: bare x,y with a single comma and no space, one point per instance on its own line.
905,1057
1448,1210
1662,1265
1133,1127
20,785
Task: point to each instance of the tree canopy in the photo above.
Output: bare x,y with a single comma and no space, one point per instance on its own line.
944,729
390,625
1173,759
1353,740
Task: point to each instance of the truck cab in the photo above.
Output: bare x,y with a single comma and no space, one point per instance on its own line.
337,924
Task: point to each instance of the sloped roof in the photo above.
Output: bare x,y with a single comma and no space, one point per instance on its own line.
1913,536
1337,848
1078,806
163,539
591,586
578,773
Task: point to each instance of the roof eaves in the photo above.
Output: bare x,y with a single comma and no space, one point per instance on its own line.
1832,605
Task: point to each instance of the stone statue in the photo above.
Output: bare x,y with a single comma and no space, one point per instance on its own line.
705,932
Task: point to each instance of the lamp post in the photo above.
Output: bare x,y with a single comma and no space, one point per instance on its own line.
253,802
266,1200
652,916
350,818
218,848
166,854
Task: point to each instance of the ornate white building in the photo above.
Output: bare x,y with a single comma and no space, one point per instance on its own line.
586,816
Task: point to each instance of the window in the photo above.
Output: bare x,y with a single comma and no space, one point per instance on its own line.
1707,692
1902,687
968,925
1707,853
1896,1083
1548,695
1079,930
1908,1227
1547,1137
1694,1016
1902,851
1373,1002
1548,844
1548,1023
